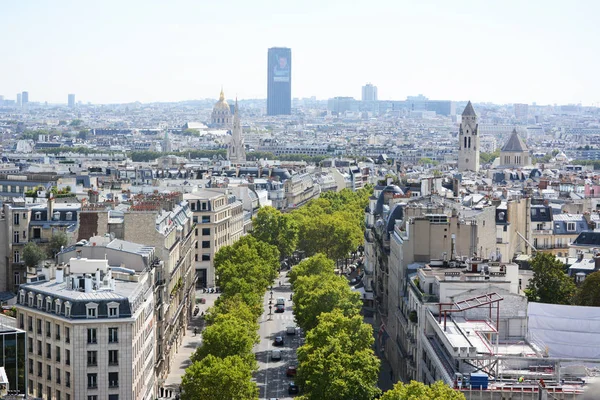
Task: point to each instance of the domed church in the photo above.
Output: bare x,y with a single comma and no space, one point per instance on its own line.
221,114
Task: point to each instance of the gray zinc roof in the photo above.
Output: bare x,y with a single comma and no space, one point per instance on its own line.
469,110
515,143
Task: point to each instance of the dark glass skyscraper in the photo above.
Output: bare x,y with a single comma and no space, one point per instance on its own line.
279,82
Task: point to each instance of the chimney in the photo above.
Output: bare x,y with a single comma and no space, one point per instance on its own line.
79,254
50,208
88,284
59,275
98,281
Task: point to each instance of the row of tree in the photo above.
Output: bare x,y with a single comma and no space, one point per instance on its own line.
222,366
551,284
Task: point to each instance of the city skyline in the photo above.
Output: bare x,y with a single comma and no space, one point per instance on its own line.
503,53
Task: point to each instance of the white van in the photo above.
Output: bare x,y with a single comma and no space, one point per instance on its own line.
281,300
291,330
275,355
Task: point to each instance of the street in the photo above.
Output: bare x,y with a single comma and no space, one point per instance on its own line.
271,375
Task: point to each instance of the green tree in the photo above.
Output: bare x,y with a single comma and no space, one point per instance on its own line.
57,241
486,158
32,254
549,284
315,265
76,122
418,390
217,378
277,229
427,161
83,134
317,294
333,371
234,306
589,292
229,336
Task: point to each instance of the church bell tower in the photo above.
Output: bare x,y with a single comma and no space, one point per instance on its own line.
468,141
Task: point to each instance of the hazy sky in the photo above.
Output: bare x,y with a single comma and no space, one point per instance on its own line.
128,50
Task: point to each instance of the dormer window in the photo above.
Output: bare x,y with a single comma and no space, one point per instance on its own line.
571,226
38,216
67,309
40,300
113,310
56,216
69,216
30,300
22,297
57,306
91,310
48,304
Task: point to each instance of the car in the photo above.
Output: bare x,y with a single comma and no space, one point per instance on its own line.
290,330
279,308
293,388
291,370
278,341
276,355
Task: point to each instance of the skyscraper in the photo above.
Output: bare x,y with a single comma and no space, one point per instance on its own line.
369,92
468,141
71,100
24,98
279,81
19,100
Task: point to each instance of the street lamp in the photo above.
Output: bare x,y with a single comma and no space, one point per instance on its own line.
271,293
270,308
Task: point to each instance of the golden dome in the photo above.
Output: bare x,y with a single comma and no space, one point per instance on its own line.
222,103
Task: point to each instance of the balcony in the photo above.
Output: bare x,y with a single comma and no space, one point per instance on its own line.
552,246
542,231
423,297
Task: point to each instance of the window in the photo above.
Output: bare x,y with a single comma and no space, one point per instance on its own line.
205,257
113,309
48,351
92,358
113,379
113,335
30,299
31,366
91,336
92,310
57,353
57,306
24,234
48,304
69,216
67,334
37,233
67,309
203,204
206,244
48,372
39,369
30,323
48,392
16,256
205,231
540,227
571,226
113,397
56,216
57,331
38,216
206,219
39,348
21,321
16,219
48,329
92,397
195,219
57,373
22,297
40,389
58,394
30,387
67,379
30,345
92,381
113,357
40,301
67,356
39,326
195,257
16,237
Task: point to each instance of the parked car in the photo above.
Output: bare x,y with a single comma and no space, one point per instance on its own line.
279,308
278,341
293,388
291,370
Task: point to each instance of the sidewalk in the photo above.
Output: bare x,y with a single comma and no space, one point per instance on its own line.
386,379
189,344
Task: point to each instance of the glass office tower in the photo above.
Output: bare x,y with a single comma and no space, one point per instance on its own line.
279,81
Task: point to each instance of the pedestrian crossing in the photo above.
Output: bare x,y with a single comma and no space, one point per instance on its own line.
281,317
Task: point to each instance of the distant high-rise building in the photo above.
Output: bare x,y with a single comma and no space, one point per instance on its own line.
369,92
521,112
279,81
19,100
71,100
468,141
24,98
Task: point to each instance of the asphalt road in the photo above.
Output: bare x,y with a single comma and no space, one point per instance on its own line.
271,375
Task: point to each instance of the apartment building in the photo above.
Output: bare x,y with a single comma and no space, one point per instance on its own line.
553,231
299,189
22,222
90,332
220,221
164,222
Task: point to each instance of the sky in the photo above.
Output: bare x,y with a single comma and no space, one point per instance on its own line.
130,50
